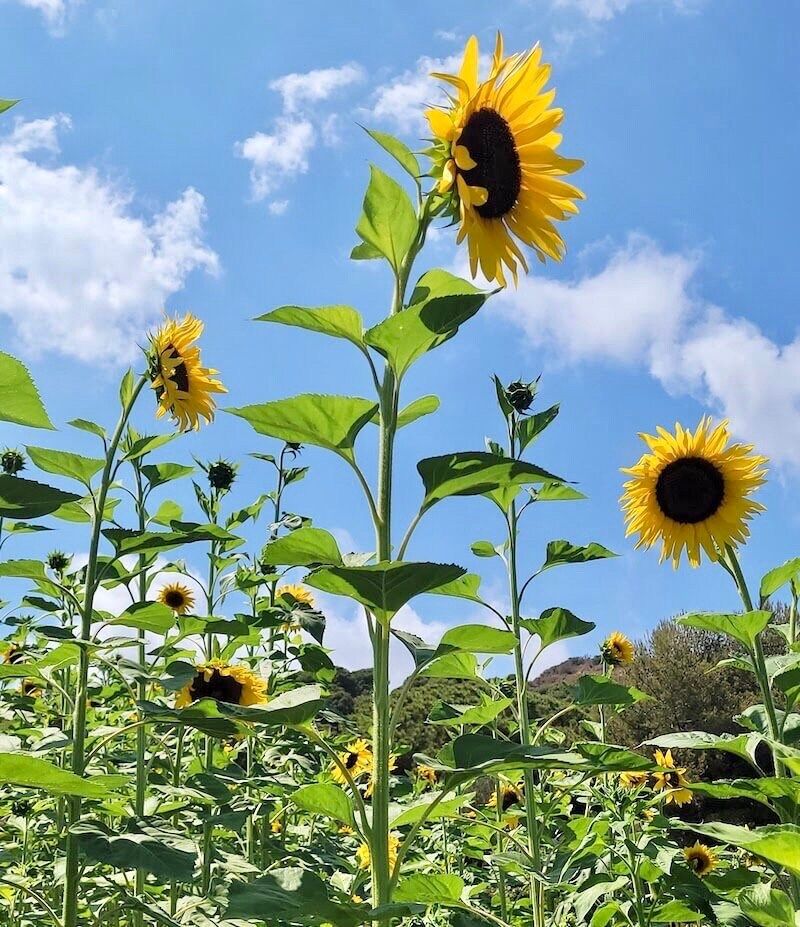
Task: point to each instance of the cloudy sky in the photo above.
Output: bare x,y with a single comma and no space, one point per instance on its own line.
170,155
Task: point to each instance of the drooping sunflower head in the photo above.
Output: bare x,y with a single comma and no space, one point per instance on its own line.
178,597
617,649
356,759
182,385
12,461
671,780
495,160
235,685
701,859
692,492
299,593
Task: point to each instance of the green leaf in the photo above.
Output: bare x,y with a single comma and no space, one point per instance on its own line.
160,473
766,906
332,422
677,912
561,552
19,399
743,627
410,814
166,855
478,638
398,150
772,581
290,895
777,843
530,427
146,444
384,587
305,546
425,405
32,772
388,221
147,616
429,888
742,745
63,463
465,587
439,305
471,473
336,321
600,690
487,711
138,542
458,665
365,252
484,549
7,104
327,799
21,498
556,624
558,492
93,428
23,569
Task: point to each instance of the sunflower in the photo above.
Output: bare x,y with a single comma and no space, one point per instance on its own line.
176,596
370,789
494,157
671,780
427,774
701,859
14,654
632,780
356,759
692,491
510,795
31,688
616,649
183,386
298,593
364,857
236,685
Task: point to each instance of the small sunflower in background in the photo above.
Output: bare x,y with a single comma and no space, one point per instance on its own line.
510,795
356,758
176,596
299,593
632,780
426,774
234,685
671,780
13,654
701,859
31,688
617,649
364,857
182,385
370,787
494,157
692,492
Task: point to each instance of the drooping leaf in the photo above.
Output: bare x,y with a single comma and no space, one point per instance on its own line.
93,428
563,552
388,222
600,690
456,665
305,546
465,587
31,772
159,473
25,499
742,745
166,855
20,402
743,627
481,714
777,843
327,799
139,542
336,321
556,624
146,444
332,422
558,492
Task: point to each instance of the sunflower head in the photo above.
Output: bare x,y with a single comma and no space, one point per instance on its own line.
701,859
496,163
31,688
364,857
58,561
617,649
692,492
671,780
632,780
178,597
221,475
12,461
182,385
300,594
13,654
510,795
426,774
235,685
520,395
356,759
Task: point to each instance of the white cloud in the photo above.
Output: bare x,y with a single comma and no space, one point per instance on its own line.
276,157
400,101
298,90
642,309
80,272
54,12
605,10
278,207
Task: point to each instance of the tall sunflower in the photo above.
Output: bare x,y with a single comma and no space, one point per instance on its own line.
236,685
182,385
494,156
176,596
616,649
692,492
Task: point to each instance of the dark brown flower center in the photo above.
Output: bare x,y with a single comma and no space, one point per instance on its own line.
490,143
510,797
174,599
179,376
690,490
219,687
352,759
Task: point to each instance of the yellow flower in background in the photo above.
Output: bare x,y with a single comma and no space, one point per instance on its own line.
495,155
671,781
235,685
617,649
701,859
176,596
692,492
297,592
183,386
510,795
426,773
356,759
364,857
632,780
371,784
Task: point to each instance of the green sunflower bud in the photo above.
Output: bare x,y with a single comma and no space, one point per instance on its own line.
520,395
12,461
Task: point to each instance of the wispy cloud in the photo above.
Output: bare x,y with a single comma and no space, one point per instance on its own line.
55,13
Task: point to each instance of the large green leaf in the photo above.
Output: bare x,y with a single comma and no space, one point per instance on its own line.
19,399
23,569
20,498
384,587
327,799
743,627
147,616
402,815
291,895
166,855
600,690
563,552
556,624
530,427
32,772
336,321
398,150
465,587
139,542
440,304
429,888
388,222
481,714
146,444
742,745
63,463
772,581
457,665
332,422
305,546
777,843
472,473
478,638
7,104
425,405
767,906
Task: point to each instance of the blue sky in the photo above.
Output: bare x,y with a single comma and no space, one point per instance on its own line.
167,154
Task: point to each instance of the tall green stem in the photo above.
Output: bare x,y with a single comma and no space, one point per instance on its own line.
141,732
72,868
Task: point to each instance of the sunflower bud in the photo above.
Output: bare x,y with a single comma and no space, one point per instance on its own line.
58,561
520,395
12,461
21,808
221,475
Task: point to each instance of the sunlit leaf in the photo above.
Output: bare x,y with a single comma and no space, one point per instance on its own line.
19,399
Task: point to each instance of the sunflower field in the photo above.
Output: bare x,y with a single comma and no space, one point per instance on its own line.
179,762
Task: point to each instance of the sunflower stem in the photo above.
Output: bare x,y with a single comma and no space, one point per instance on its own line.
78,762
